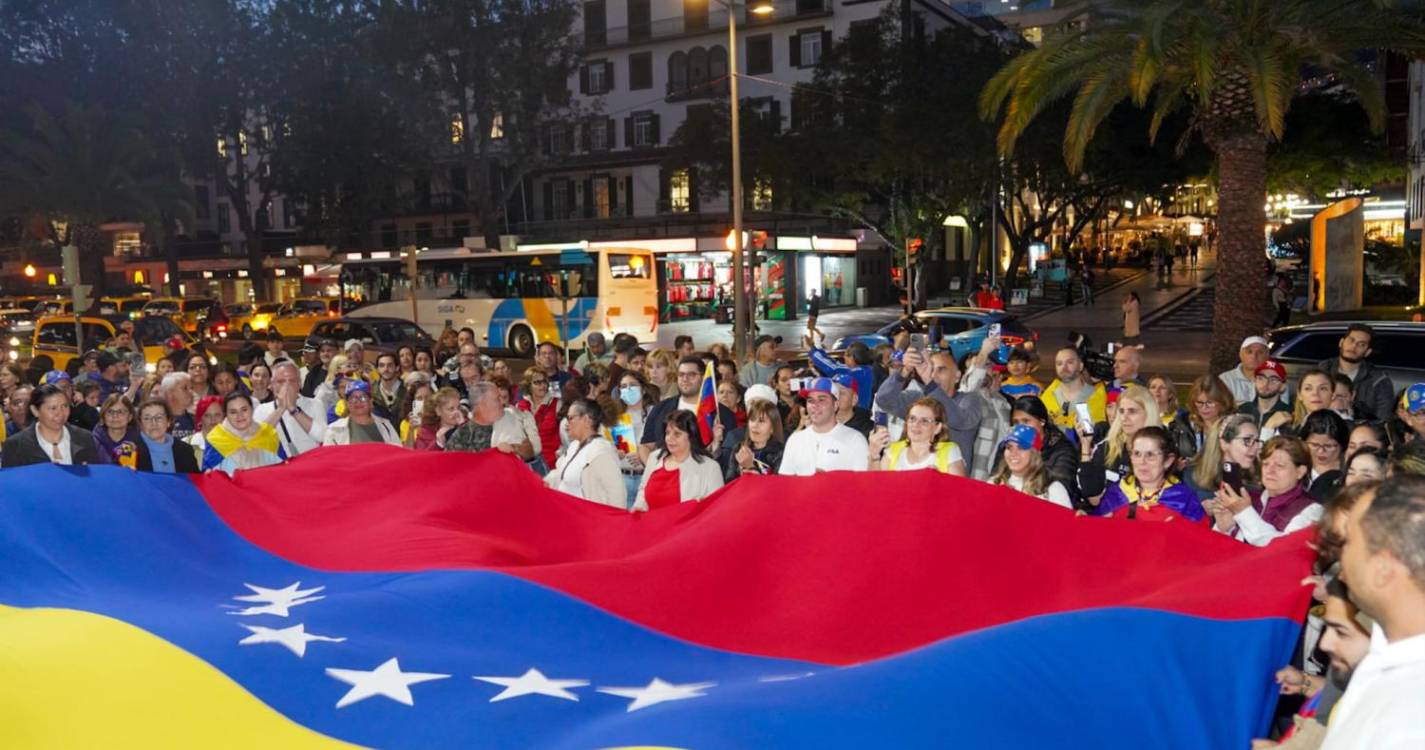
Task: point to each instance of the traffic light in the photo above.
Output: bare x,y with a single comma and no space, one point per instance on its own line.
69,264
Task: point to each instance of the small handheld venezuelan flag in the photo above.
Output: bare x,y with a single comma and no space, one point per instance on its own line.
707,404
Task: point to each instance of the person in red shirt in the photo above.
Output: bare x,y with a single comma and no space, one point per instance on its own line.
680,469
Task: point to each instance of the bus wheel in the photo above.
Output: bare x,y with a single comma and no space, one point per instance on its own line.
522,341
247,332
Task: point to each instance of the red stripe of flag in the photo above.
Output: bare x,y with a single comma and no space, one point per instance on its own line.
707,405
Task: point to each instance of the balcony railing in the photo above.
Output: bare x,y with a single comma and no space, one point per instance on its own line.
716,18
706,90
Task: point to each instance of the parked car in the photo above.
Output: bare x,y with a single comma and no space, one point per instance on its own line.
185,311
378,335
129,307
962,329
296,317
55,336
1397,348
54,307
251,319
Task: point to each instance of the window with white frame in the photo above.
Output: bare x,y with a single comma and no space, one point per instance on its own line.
643,131
811,49
597,83
599,134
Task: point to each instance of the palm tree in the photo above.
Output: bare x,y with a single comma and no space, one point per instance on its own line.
1236,65
81,167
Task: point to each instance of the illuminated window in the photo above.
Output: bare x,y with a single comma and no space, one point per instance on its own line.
601,198
497,127
680,185
223,147
761,195
242,142
457,129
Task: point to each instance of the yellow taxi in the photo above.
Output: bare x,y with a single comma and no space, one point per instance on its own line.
129,307
251,319
181,310
54,307
55,336
296,317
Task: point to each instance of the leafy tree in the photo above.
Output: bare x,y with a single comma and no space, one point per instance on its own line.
500,68
1235,65
81,167
1324,149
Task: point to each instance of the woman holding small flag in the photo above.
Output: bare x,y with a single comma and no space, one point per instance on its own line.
680,469
238,442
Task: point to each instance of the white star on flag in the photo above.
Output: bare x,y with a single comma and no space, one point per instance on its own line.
533,682
294,638
276,601
657,691
387,680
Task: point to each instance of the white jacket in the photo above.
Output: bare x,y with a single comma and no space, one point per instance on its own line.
591,473
696,479
339,432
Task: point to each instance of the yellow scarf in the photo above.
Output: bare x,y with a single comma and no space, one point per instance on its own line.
1135,495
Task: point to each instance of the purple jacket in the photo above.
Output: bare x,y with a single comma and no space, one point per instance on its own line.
1281,509
1178,498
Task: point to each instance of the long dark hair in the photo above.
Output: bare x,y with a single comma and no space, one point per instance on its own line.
686,422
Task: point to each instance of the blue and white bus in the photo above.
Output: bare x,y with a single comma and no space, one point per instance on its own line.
512,300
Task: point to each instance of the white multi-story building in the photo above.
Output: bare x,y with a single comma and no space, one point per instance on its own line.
647,64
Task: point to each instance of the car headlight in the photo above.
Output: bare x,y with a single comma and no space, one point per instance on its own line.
14,341
14,354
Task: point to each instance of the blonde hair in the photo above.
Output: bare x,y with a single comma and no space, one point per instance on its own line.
1207,467
1298,411
1167,416
335,366
1117,438
1036,477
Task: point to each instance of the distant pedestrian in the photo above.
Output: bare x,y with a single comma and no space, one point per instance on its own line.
813,310
1130,318
1192,252
1086,279
1281,300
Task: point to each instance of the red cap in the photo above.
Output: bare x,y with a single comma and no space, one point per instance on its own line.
1273,366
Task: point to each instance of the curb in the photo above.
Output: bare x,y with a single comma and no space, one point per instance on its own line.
1096,292
1172,305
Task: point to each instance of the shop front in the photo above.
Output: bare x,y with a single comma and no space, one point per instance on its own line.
695,275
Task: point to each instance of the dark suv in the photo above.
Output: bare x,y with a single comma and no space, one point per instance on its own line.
1398,348
377,335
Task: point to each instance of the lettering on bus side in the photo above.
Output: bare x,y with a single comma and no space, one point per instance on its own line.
458,309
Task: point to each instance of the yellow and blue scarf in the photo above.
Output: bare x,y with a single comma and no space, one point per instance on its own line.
221,444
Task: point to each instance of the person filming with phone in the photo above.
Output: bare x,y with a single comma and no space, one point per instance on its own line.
1228,457
940,378
926,444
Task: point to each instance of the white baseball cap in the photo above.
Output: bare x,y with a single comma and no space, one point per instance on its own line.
757,391
1254,340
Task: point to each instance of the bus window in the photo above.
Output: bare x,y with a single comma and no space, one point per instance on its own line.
629,266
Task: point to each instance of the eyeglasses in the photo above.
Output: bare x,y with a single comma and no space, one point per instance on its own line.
1204,403
358,397
1269,379
1322,447
927,421
689,375
153,419
1248,440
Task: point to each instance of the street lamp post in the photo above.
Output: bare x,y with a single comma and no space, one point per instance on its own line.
740,312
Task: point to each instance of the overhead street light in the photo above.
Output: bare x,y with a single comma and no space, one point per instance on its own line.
740,309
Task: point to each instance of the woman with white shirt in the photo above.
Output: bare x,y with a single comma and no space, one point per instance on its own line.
680,469
1022,467
50,438
1282,507
589,467
926,444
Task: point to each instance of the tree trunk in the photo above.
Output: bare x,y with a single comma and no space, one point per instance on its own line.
255,272
1241,307
92,250
170,254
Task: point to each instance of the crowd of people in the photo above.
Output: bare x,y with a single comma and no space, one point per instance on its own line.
1248,453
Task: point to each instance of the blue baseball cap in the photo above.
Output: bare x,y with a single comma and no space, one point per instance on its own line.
845,380
1025,437
1415,398
819,385
55,377
353,386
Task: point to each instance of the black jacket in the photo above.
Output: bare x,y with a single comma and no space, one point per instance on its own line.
184,459
653,422
24,449
770,454
1373,388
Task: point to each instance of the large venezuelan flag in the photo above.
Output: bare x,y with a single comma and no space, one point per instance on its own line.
384,598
